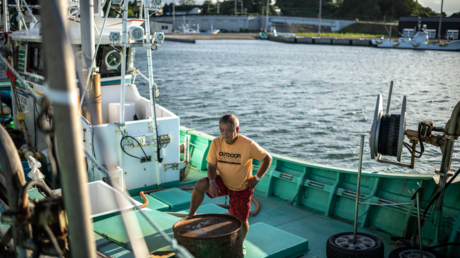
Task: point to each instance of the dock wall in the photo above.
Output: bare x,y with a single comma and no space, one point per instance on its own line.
323,41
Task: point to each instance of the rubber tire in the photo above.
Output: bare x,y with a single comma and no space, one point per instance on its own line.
334,251
389,135
395,253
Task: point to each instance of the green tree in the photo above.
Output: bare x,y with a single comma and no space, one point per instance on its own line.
455,14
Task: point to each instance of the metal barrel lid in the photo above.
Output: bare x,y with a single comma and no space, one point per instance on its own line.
206,226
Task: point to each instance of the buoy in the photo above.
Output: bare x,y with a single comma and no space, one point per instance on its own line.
6,111
27,154
21,117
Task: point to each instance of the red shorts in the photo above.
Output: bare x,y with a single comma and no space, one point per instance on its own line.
240,201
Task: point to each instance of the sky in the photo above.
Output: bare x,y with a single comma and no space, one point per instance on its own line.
450,6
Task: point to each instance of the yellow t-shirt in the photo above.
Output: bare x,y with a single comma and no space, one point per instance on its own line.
234,161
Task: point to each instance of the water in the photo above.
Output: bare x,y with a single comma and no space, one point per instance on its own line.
310,102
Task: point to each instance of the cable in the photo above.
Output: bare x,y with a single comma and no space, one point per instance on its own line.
422,147
121,145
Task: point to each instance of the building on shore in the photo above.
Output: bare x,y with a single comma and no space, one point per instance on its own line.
158,26
450,26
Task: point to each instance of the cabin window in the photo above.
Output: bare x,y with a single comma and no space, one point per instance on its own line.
452,34
431,33
408,33
35,59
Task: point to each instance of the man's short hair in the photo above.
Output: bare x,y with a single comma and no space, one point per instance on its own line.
230,118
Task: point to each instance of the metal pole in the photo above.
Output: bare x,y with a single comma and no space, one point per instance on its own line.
235,8
418,223
241,7
174,13
152,92
319,27
440,22
217,6
5,15
87,39
266,20
123,62
389,97
358,184
63,94
30,12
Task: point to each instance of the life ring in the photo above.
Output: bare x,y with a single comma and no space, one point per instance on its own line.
395,45
416,45
442,44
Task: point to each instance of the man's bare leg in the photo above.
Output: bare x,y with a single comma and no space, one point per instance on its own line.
201,187
244,230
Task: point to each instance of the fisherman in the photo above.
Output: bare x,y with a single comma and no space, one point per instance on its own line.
230,171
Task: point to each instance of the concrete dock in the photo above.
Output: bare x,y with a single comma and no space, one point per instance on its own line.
192,38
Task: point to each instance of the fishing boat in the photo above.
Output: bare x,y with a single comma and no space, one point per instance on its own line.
420,41
138,180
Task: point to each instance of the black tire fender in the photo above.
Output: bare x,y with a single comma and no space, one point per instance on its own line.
335,251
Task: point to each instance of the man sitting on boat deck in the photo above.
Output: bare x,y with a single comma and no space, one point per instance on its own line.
230,171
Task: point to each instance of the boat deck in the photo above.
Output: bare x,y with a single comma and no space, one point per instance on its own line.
304,223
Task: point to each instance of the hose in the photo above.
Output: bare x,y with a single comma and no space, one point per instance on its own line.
146,202
121,145
25,190
220,205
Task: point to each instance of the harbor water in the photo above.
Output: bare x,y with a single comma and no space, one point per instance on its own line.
305,101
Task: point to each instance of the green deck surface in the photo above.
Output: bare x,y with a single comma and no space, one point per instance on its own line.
111,248
267,241
175,198
153,204
113,227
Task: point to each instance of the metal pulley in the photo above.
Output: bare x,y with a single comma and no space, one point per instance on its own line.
387,132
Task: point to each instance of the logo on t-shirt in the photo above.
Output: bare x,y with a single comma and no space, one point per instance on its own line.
230,155
230,158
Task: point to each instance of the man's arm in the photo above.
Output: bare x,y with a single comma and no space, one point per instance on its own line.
252,181
212,174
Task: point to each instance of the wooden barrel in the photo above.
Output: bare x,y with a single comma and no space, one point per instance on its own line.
210,235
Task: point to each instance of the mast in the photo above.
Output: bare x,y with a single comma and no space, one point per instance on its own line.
87,42
63,94
123,63
440,22
266,20
319,26
5,15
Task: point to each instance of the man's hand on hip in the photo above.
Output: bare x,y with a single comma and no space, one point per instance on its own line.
213,188
251,182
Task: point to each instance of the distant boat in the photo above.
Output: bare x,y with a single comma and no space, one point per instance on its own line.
211,31
419,41
263,35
